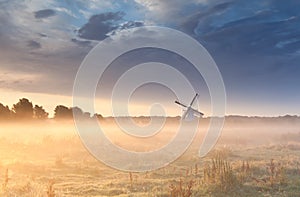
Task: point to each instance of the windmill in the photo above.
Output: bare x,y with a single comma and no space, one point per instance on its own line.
189,113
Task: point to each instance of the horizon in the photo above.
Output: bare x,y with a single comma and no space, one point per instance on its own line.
51,115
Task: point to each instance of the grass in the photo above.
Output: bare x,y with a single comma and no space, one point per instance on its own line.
50,191
181,189
218,175
56,167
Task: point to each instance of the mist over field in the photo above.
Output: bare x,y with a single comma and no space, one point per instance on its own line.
252,130
44,157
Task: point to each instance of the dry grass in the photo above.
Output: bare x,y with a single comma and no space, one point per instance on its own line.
219,174
5,182
180,189
50,189
30,168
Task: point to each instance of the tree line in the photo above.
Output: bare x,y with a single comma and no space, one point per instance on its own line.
25,110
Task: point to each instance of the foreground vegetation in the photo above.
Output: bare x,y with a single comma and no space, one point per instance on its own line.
48,164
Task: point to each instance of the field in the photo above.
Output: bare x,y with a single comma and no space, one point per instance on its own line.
252,158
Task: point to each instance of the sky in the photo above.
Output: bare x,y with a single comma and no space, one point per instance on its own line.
255,44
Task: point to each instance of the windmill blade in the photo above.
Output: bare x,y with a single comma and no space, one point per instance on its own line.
197,113
177,102
194,99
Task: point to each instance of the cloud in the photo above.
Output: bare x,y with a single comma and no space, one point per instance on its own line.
200,19
83,43
8,13
42,35
131,24
241,27
259,34
34,44
170,12
100,25
255,43
10,79
44,13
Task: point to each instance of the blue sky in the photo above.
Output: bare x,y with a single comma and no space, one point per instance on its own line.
256,44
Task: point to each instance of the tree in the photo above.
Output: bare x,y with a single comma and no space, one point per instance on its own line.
39,112
98,116
77,111
87,115
23,109
62,112
5,112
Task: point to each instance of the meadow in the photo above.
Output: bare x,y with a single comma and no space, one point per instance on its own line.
253,157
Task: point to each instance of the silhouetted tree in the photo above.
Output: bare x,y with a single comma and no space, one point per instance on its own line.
98,116
77,111
5,112
39,112
23,109
87,115
62,112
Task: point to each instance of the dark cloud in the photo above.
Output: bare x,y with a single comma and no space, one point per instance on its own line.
83,43
250,35
255,45
100,25
191,22
33,44
268,28
131,24
42,35
8,28
44,13
291,7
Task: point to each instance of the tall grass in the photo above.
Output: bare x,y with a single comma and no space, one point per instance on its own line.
179,189
50,190
219,174
5,182
276,173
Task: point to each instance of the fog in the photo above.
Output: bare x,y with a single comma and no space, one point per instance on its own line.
236,131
